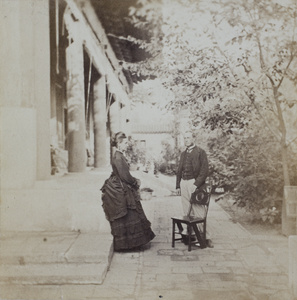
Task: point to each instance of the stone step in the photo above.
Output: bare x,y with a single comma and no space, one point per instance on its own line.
55,258
73,273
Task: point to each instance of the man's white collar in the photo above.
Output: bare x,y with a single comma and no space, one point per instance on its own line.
191,147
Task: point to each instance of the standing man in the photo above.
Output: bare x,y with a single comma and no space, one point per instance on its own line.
191,174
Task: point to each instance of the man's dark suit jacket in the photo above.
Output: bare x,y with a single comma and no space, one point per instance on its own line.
200,166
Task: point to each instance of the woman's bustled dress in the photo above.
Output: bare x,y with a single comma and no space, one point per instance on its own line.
121,203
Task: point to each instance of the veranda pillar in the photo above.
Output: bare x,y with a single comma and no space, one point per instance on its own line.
115,118
100,118
76,108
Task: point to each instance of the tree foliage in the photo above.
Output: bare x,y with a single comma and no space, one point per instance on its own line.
233,63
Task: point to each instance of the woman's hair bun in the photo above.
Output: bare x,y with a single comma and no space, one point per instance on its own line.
113,142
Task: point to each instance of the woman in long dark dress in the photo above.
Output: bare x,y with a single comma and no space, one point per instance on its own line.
121,202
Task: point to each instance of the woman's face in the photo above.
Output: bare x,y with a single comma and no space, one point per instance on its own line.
123,145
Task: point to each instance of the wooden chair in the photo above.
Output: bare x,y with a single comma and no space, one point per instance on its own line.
191,224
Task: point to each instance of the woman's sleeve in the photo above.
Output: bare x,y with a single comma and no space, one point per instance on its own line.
123,171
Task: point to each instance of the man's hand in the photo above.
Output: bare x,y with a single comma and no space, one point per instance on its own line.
178,192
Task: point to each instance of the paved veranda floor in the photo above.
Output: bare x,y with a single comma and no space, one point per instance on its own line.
240,266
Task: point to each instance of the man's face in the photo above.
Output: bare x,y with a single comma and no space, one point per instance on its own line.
189,139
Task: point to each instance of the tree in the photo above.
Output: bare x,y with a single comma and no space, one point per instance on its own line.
264,70
225,59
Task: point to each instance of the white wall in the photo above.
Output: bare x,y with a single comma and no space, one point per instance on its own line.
18,147
154,141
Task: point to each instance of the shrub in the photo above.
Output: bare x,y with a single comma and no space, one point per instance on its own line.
249,167
167,163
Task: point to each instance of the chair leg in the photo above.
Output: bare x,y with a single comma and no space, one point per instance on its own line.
173,234
189,237
204,231
180,227
200,237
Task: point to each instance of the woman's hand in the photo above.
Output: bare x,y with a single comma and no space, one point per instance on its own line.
138,182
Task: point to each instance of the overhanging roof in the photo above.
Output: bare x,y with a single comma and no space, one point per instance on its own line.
113,15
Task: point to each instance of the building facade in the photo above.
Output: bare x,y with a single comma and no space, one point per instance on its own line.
62,87
63,91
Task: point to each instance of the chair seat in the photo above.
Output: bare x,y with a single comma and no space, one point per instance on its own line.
191,225
188,219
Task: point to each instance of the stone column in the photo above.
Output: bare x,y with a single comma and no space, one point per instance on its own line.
114,113
42,87
100,117
76,135
18,104
115,118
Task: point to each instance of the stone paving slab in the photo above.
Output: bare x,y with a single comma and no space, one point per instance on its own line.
35,247
54,258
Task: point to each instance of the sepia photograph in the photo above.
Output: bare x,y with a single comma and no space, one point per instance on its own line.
148,149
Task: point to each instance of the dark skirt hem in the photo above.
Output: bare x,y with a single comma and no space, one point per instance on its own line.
134,245
131,231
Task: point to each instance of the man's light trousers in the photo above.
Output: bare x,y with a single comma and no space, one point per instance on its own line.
187,187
